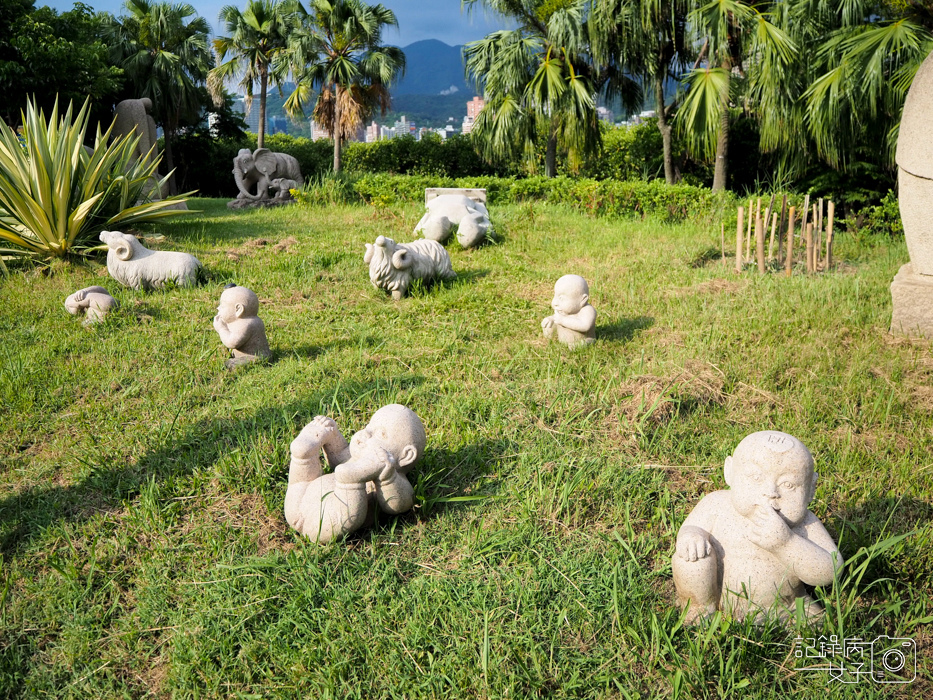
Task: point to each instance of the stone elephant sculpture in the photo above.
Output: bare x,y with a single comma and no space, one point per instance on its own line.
254,172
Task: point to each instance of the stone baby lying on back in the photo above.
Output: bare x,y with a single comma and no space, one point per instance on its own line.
368,471
131,264
392,266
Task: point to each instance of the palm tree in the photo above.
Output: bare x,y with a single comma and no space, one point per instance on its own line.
166,57
741,42
537,75
338,50
648,39
257,38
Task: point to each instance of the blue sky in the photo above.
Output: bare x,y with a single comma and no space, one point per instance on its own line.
417,19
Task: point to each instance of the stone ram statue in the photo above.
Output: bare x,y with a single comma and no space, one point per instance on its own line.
392,266
131,264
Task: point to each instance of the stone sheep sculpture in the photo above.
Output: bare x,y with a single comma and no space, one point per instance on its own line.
392,266
131,264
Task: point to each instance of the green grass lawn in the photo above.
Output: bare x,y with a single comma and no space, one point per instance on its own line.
145,553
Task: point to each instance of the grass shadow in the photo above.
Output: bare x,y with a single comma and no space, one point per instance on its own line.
703,258
625,329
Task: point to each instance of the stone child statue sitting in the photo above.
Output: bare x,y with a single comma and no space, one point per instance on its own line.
369,471
574,320
751,549
239,326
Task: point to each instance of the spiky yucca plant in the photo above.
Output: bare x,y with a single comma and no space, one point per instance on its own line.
56,195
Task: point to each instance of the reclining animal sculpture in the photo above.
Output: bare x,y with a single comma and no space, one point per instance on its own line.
392,266
131,264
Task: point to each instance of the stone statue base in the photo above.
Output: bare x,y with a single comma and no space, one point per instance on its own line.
248,203
912,295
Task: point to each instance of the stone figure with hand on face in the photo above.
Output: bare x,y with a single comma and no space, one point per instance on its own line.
751,549
574,319
369,471
239,326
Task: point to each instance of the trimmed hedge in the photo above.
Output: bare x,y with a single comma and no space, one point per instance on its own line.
630,198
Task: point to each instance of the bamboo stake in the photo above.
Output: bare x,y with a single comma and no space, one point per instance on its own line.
760,244
780,247
819,229
816,233
767,216
809,240
830,214
738,240
748,232
804,213
774,218
789,260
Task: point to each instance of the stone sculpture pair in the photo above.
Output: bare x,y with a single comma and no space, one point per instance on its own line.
264,178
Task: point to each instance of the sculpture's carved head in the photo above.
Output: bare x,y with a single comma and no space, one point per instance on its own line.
397,430
571,293
770,469
146,103
123,245
236,303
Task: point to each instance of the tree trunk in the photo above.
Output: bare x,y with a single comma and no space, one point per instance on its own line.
721,173
550,159
263,83
665,128
170,159
336,128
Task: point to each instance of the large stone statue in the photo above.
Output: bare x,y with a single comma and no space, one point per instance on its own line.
752,549
238,324
574,320
255,172
368,472
912,289
133,118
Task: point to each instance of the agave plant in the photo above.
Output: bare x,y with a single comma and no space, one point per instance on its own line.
56,195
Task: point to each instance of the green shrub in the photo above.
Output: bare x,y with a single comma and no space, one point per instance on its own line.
453,157
56,196
328,189
883,219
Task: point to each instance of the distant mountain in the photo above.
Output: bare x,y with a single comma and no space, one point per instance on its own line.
433,68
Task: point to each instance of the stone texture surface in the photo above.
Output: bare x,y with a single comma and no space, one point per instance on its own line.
750,550
134,265
574,320
238,324
912,297
915,199
255,172
132,118
914,146
455,211
94,303
392,266
477,194
369,472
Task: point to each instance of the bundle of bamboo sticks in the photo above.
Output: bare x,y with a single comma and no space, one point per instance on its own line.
812,235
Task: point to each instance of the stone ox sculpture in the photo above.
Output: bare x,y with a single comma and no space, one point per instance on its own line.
259,171
369,472
752,549
392,266
449,212
912,288
131,264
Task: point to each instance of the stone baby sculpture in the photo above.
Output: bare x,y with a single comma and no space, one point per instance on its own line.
392,266
282,187
94,302
239,326
369,471
574,320
751,549
131,264
448,211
